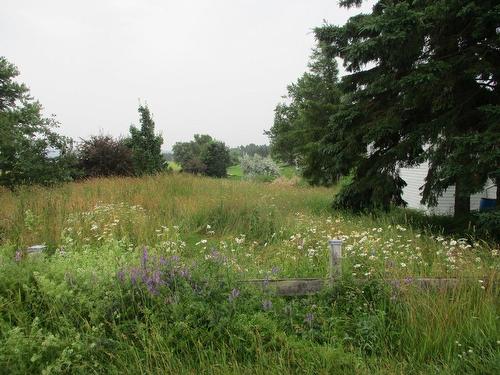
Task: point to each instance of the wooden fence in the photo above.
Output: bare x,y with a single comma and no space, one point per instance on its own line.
307,286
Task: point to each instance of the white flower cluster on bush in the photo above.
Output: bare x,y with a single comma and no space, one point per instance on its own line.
258,166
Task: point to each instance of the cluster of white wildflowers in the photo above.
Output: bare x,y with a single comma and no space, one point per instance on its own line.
300,249
382,250
100,224
399,250
170,240
377,251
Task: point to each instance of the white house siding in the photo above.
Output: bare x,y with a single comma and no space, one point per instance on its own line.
415,178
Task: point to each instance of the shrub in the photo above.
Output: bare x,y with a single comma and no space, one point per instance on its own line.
103,156
488,223
256,165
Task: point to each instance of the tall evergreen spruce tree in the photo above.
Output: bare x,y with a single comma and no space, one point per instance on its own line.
422,87
146,145
302,120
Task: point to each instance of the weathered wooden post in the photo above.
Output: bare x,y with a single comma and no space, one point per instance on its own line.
335,259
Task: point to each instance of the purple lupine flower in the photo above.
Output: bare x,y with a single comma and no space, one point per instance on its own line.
408,280
214,254
18,256
134,273
156,278
144,258
275,270
121,276
150,285
185,273
235,293
267,305
163,261
309,318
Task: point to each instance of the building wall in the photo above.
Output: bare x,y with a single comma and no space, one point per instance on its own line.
415,178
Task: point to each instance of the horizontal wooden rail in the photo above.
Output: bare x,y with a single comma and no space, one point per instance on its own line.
302,287
308,286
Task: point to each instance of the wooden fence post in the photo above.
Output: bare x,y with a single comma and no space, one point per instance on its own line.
335,259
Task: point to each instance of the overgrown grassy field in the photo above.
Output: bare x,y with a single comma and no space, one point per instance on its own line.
144,276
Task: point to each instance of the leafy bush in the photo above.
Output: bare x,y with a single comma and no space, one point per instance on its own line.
104,156
488,223
256,165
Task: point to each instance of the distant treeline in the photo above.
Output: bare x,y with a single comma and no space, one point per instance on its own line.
32,152
235,152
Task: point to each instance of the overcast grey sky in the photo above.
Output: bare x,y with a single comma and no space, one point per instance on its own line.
216,66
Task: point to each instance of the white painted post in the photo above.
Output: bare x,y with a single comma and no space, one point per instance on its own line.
335,259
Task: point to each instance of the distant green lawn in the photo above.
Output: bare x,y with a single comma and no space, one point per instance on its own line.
234,172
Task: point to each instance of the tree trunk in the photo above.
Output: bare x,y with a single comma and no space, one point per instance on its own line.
462,201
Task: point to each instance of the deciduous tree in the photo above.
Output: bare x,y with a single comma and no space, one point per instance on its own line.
31,152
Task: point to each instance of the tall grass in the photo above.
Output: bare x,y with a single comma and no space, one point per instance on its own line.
143,277
34,215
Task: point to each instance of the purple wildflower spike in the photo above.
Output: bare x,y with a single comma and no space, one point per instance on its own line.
133,276
185,273
157,277
144,258
121,276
